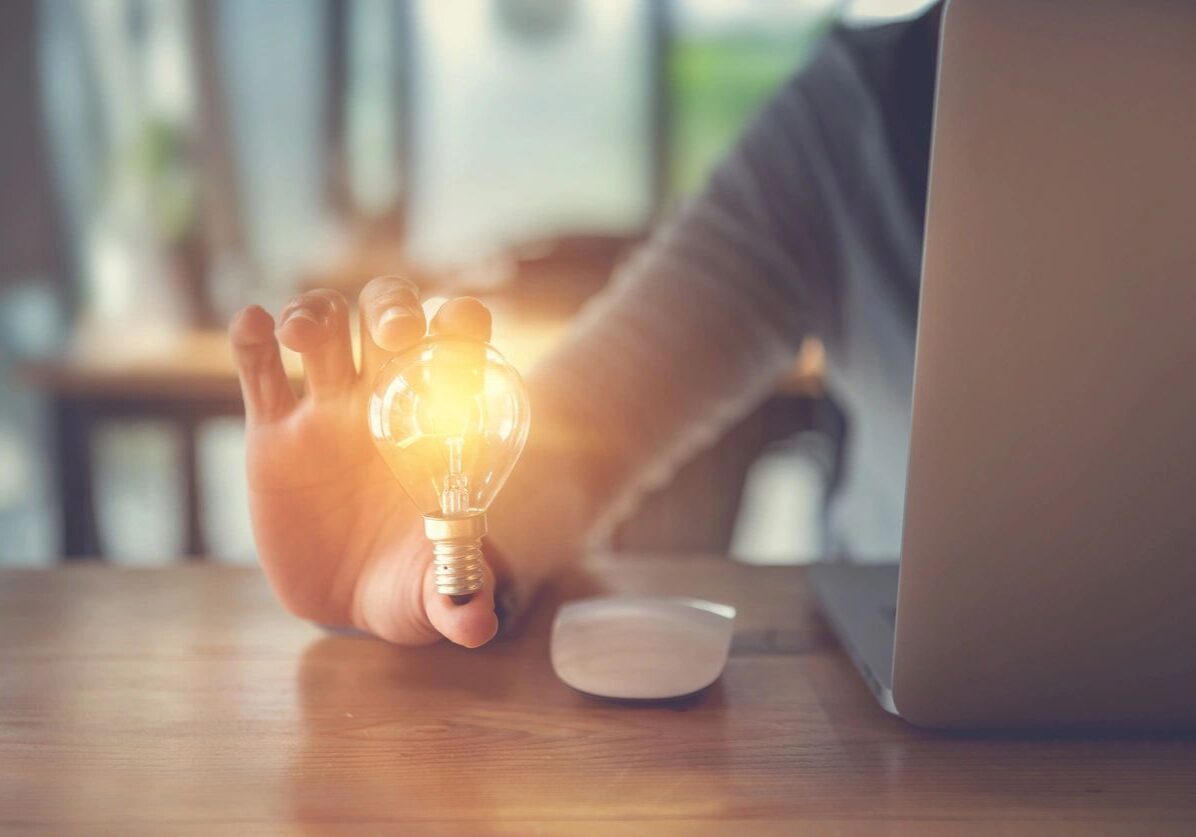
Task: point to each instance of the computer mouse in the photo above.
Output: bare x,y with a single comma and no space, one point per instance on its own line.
641,647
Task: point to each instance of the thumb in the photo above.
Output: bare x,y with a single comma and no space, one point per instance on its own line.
472,623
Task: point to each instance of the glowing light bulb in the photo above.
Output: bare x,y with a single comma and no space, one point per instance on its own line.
450,417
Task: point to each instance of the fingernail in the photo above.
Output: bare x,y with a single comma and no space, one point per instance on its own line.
302,314
391,315
398,328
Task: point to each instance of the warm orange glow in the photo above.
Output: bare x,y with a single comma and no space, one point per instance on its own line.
450,418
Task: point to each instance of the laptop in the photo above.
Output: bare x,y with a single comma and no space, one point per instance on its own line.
1048,560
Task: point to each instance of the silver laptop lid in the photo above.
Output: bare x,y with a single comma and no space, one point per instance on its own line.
1049,557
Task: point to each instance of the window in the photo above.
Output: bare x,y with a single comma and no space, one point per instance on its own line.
530,119
726,57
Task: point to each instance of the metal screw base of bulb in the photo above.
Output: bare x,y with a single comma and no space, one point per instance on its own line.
457,552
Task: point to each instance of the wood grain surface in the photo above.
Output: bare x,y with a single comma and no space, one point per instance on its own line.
184,700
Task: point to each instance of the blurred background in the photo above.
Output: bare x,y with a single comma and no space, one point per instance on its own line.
165,162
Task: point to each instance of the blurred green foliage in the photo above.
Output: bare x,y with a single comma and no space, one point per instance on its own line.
161,160
716,85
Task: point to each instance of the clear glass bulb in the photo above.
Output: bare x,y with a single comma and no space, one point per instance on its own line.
450,417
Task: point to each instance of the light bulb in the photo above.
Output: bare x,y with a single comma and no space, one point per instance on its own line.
450,417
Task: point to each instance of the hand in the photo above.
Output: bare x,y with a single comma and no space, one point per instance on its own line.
339,540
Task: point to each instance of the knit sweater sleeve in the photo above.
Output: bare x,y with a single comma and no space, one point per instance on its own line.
691,334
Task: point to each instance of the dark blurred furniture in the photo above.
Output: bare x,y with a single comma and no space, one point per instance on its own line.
31,229
185,700
697,509
190,378
184,382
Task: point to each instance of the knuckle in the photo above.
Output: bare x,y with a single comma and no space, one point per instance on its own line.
386,303
319,301
381,294
304,302
250,357
305,298
333,299
387,283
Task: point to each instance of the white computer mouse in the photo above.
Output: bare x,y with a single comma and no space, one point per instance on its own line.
641,647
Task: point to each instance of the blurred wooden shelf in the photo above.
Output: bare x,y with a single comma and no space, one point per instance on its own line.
187,377
196,365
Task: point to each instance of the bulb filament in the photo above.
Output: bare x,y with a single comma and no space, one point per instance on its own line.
454,497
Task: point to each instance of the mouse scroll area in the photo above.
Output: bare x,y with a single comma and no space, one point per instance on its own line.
641,648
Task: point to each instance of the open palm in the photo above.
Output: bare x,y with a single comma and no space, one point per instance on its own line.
338,539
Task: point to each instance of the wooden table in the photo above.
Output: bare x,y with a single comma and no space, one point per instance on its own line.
184,700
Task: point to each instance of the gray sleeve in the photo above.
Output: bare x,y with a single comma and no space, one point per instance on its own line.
696,329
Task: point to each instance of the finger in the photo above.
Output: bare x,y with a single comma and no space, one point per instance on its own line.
471,624
316,324
264,386
391,320
463,317
459,362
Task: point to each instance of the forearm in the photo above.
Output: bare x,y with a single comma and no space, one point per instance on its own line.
690,336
